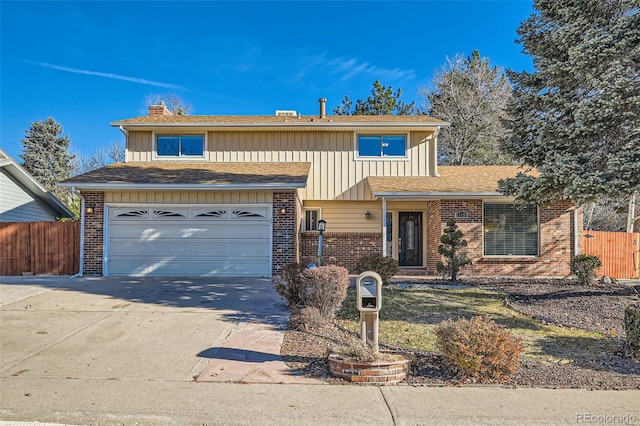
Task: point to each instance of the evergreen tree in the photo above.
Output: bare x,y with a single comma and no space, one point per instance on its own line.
383,101
472,95
45,155
576,118
450,244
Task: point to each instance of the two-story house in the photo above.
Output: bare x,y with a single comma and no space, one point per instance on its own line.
242,196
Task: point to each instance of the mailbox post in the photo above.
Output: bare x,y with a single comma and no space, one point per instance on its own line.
369,301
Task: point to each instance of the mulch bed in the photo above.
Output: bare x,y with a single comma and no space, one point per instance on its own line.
560,302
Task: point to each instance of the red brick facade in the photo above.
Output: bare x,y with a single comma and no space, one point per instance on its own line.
93,233
285,233
343,249
556,241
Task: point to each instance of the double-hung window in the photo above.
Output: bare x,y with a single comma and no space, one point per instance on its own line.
510,230
381,145
180,145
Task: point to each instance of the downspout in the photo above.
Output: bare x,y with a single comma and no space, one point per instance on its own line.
126,143
384,226
82,213
575,232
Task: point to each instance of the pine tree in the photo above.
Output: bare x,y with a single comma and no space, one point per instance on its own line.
45,155
383,101
451,243
472,95
576,118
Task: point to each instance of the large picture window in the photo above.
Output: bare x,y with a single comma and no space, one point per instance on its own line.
180,145
510,230
382,145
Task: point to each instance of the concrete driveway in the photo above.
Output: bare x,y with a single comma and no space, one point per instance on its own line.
130,328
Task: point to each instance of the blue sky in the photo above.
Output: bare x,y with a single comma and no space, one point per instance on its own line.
90,63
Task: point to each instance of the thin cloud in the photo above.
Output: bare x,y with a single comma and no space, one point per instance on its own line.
108,75
347,69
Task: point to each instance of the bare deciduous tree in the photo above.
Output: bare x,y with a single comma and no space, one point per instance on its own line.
173,102
472,95
100,157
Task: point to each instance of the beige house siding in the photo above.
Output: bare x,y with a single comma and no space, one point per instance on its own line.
343,216
190,197
335,173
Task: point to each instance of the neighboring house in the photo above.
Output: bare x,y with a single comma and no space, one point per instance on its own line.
23,199
242,196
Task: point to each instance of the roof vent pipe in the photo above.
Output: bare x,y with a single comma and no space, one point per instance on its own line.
323,107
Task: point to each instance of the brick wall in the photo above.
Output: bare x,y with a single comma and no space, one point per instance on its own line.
285,233
433,231
338,248
93,233
556,241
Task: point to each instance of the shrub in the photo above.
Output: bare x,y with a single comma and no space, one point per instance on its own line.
451,243
289,285
306,319
584,266
632,327
385,266
324,288
479,347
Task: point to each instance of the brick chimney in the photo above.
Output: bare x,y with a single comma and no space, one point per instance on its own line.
159,109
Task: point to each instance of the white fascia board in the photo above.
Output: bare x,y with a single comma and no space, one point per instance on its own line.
282,125
436,195
191,187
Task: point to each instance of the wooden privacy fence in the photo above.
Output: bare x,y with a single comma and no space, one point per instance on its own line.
618,251
39,248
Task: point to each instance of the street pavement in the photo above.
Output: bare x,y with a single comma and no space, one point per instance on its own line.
205,351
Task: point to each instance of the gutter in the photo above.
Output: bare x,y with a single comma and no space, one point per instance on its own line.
284,124
195,187
406,195
82,213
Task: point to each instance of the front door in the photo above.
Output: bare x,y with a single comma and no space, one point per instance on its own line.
410,239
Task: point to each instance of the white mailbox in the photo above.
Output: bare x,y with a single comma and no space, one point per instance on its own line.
369,292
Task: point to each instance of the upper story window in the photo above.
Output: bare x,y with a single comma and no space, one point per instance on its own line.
381,146
510,230
180,145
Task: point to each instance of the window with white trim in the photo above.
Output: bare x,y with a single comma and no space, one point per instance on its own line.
311,218
510,230
180,145
381,145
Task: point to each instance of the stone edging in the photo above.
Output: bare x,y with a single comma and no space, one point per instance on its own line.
375,372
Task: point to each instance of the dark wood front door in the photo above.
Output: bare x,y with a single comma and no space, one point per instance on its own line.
410,239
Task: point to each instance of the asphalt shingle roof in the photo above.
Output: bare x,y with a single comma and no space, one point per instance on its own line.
452,179
191,173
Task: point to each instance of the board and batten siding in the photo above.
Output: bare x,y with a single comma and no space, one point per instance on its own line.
335,172
189,197
349,216
17,205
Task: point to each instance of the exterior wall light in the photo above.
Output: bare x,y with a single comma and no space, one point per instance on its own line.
89,210
283,211
322,225
367,215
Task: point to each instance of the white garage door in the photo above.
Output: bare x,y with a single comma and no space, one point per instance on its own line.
189,241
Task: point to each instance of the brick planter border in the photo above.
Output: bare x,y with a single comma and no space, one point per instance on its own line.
374,372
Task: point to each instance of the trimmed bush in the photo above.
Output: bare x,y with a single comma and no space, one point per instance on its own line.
632,327
325,288
451,242
385,266
479,347
584,266
289,285
307,319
